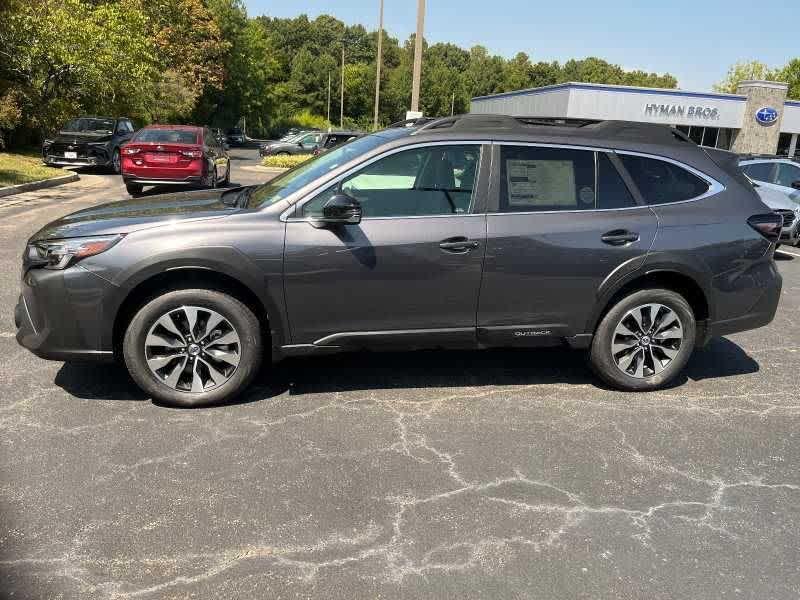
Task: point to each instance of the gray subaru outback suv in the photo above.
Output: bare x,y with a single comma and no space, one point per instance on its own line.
478,231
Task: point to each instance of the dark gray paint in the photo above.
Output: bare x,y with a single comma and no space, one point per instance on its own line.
387,280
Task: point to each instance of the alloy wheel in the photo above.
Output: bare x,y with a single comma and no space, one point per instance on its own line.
115,161
646,340
192,349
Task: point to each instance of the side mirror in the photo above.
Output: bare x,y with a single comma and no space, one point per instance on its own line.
341,209
796,184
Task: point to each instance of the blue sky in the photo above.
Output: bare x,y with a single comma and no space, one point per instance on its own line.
695,40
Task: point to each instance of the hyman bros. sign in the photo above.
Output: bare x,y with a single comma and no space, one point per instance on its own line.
672,111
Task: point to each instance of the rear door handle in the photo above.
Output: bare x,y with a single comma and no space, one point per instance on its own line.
458,244
619,237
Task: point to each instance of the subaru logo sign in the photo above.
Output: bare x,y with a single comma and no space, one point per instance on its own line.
766,115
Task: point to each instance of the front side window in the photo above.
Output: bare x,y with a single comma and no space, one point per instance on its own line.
434,180
661,182
759,171
310,139
787,174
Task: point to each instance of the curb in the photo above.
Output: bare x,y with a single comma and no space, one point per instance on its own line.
37,185
260,169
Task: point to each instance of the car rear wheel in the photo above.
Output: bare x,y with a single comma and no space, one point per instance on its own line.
644,341
133,188
193,347
212,179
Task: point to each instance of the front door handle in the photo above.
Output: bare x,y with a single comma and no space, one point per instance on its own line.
458,244
619,237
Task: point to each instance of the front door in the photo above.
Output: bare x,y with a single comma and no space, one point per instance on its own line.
410,271
561,223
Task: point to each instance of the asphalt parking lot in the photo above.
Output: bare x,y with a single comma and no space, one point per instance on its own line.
498,474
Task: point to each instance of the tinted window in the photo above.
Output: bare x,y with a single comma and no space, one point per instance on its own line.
661,182
545,179
310,140
167,136
437,180
787,174
611,189
759,171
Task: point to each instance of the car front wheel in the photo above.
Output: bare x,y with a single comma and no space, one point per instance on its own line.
193,347
644,341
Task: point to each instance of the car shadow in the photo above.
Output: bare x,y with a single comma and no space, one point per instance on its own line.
783,257
364,371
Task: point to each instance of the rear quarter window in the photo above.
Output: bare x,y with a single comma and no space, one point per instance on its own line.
759,171
662,182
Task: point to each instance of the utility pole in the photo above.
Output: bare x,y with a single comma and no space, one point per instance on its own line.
418,55
329,98
341,99
453,104
378,68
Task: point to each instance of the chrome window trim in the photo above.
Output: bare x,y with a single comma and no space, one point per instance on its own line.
298,204
714,186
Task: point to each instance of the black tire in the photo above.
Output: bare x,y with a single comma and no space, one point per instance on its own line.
134,188
602,360
227,179
238,314
212,179
116,162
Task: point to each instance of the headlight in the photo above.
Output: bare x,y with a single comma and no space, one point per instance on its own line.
59,254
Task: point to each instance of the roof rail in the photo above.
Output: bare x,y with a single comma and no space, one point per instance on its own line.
415,122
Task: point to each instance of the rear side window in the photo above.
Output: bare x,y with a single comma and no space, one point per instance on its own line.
759,171
661,182
546,179
611,189
788,175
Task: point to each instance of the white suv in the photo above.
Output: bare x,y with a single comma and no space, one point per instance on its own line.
778,183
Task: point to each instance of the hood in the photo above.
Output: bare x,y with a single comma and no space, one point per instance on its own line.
776,200
127,216
80,137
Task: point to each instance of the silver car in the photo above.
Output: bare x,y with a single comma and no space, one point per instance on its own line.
787,208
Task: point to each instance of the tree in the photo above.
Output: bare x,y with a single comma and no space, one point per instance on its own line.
745,71
791,75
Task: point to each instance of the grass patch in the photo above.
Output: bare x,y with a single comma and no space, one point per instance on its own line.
24,168
286,161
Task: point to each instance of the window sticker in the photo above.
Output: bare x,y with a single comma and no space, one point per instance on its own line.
541,182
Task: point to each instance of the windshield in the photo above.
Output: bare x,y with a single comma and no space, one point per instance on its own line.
305,173
90,125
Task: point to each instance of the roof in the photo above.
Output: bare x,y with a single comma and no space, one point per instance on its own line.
161,126
613,89
546,127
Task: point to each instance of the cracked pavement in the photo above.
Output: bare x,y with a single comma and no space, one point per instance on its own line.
497,474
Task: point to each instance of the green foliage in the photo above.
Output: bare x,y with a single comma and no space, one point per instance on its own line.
285,161
744,71
206,61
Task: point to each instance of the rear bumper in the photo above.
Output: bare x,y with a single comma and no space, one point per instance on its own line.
760,314
61,316
188,180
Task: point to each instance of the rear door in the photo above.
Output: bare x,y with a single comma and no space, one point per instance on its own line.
561,222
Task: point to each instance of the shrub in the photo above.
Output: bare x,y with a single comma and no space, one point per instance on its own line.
285,161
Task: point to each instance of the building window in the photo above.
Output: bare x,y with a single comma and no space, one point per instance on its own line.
784,141
725,139
710,137
696,135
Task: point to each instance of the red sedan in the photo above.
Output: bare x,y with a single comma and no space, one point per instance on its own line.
174,155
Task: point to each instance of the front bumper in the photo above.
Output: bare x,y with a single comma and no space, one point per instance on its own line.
61,315
85,161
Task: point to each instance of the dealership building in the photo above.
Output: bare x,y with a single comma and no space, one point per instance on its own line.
757,119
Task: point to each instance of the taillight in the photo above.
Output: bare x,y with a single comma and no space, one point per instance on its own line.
130,150
192,153
768,225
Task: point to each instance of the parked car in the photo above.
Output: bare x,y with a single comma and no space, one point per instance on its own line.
304,143
477,231
334,138
776,173
788,209
88,142
174,154
236,137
